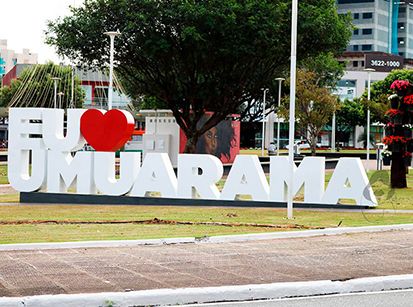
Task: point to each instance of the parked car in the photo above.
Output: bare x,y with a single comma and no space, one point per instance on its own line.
303,145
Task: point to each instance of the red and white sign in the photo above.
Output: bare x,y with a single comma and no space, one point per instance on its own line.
36,135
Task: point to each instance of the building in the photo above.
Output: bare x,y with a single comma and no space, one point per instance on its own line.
14,73
9,58
96,87
354,82
383,40
381,25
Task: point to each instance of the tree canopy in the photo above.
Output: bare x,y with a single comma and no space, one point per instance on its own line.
35,88
328,72
351,114
196,56
315,107
380,91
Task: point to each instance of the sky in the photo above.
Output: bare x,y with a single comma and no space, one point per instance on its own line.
23,22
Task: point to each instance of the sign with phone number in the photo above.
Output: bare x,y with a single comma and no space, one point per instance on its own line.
384,63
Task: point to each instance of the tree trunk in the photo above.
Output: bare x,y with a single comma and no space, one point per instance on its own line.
313,149
313,145
398,171
190,146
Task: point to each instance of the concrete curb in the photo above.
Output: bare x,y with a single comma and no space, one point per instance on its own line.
306,233
164,297
215,239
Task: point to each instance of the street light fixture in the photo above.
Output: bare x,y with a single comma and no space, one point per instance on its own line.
55,79
263,121
333,133
112,35
60,94
280,80
369,71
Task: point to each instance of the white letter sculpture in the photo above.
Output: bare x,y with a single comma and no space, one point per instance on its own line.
37,135
24,123
156,175
246,177
310,173
189,178
349,181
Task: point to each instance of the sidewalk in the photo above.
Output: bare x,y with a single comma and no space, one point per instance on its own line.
124,269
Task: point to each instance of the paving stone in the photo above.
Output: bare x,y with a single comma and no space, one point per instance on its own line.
87,270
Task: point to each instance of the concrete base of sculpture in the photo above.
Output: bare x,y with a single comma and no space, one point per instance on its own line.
81,199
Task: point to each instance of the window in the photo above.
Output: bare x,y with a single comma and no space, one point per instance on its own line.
362,63
400,25
367,15
356,16
366,47
355,63
355,48
356,32
367,31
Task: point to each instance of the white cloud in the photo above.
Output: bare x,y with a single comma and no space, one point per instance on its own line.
23,23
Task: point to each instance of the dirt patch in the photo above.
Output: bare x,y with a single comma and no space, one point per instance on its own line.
157,221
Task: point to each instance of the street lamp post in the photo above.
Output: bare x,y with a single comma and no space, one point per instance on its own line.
333,133
263,121
369,71
55,79
60,94
280,80
112,35
72,92
293,71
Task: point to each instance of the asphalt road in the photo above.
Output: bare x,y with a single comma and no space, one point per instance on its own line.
403,298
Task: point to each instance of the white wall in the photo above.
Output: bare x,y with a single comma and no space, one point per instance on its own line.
168,131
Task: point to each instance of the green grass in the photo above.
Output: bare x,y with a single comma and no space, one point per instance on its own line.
70,232
9,198
3,174
388,199
391,198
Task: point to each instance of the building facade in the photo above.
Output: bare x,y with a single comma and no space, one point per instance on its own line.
9,58
381,25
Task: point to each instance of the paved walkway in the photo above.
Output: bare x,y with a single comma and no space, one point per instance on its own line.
88,270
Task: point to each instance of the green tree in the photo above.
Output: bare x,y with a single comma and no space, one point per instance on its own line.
397,124
7,93
327,68
380,91
351,113
315,107
197,56
35,88
328,71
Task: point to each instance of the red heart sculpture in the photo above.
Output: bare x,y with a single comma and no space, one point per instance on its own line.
106,131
